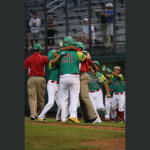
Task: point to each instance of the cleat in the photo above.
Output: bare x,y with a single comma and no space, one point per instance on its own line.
33,118
64,121
97,121
74,119
41,119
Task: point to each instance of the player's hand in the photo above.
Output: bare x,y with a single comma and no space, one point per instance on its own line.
108,96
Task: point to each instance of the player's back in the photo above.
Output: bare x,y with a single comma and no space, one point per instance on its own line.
69,63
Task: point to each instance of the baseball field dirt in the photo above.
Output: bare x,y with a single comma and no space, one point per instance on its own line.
50,135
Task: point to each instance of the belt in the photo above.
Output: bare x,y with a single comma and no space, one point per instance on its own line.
117,93
54,81
71,74
37,76
83,73
94,91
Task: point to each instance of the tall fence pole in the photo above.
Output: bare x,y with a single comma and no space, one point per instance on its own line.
45,24
67,12
114,25
25,30
89,18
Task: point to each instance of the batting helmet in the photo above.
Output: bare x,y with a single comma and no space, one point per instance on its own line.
67,41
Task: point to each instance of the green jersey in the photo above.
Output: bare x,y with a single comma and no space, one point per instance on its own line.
118,83
95,84
111,89
53,72
69,61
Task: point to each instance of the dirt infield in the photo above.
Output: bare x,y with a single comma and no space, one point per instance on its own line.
77,125
108,144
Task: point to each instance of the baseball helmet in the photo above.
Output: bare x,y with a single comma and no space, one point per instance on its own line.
67,41
37,46
51,54
97,63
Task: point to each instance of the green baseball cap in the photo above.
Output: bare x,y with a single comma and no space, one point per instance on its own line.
51,54
37,46
79,45
97,63
67,41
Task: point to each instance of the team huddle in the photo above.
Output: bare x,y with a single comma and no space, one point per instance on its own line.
75,81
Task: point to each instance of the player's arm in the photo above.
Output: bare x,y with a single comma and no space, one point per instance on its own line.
91,63
57,57
107,90
93,72
105,83
120,76
67,48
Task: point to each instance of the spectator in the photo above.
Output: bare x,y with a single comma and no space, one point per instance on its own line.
35,24
102,20
85,32
50,31
28,32
109,20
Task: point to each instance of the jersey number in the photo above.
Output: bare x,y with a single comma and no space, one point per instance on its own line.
65,60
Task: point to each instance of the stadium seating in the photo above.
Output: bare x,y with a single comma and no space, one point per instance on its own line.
76,16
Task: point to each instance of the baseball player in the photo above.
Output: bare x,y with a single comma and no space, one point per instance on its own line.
52,88
69,86
95,91
87,109
108,102
118,102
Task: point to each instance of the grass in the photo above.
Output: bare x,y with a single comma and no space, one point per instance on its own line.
104,123
52,137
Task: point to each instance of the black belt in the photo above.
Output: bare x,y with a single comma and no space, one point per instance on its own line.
94,90
117,93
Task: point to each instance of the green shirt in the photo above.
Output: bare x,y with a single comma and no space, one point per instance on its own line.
95,84
53,72
111,89
69,61
118,83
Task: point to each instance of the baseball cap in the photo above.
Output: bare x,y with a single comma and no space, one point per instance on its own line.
79,45
96,62
85,19
107,4
37,46
67,41
51,54
110,5
117,67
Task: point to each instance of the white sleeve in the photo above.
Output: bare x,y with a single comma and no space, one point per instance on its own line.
30,22
92,28
38,22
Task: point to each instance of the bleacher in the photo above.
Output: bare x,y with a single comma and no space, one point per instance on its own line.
76,16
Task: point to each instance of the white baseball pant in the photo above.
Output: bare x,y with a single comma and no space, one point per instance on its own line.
52,89
69,88
97,99
118,101
108,103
